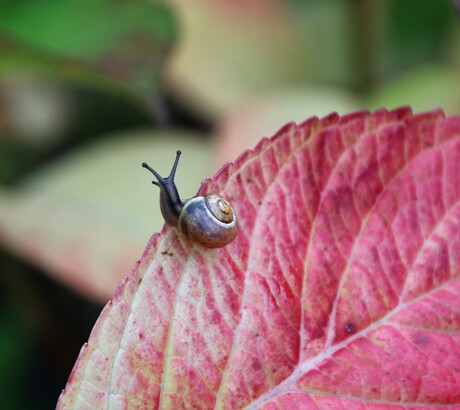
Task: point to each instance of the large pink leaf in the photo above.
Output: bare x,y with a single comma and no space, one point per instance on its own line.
340,291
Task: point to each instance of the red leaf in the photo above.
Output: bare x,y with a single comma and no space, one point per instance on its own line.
340,291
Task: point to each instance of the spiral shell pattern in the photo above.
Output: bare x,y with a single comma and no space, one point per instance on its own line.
209,221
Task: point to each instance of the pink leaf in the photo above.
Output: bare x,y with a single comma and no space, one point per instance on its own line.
341,290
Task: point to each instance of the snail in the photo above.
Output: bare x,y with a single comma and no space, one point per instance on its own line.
207,220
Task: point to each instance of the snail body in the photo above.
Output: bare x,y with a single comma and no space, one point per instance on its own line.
207,220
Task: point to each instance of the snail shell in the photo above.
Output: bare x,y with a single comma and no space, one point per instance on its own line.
207,220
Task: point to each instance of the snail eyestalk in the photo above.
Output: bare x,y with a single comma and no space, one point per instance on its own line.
176,162
171,175
170,202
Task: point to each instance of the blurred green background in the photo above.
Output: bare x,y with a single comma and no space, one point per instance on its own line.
90,89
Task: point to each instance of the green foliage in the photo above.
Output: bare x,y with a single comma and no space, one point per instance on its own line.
86,27
419,29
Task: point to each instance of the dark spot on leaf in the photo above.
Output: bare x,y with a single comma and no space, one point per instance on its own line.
249,181
349,328
256,365
170,254
164,252
420,338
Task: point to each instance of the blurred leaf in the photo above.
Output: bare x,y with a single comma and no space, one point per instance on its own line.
72,70
86,217
231,51
19,59
43,115
423,89
244,126
324,30
127,39
417,31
